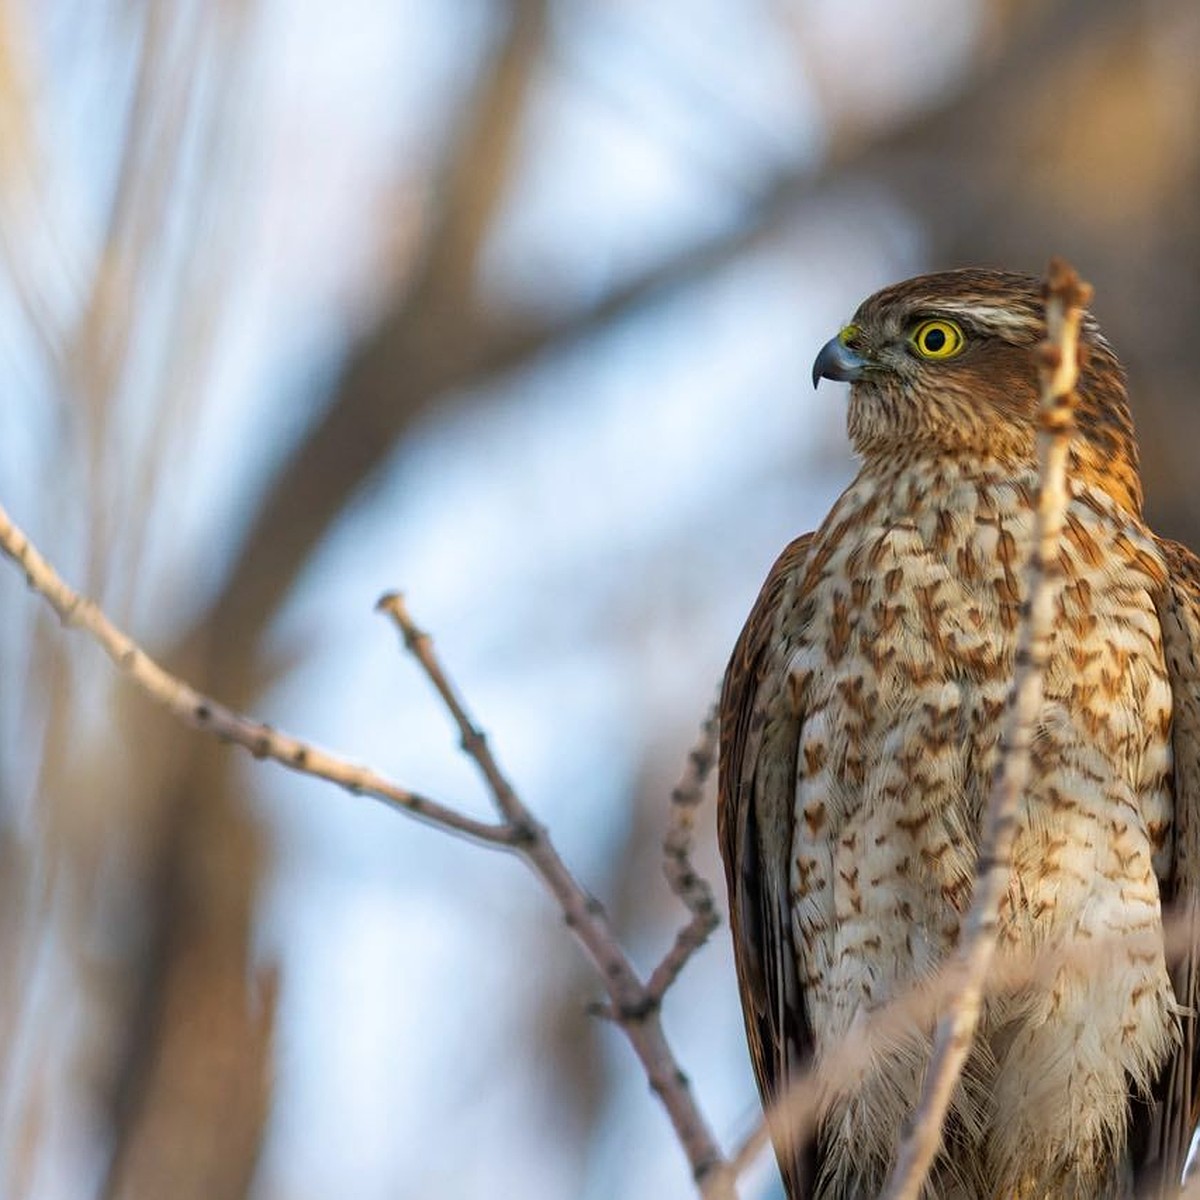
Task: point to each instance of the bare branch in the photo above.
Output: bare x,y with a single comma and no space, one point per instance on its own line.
1066,297
635,1007
200,712
632,1004
474,741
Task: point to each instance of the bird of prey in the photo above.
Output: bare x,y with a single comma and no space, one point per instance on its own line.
860,722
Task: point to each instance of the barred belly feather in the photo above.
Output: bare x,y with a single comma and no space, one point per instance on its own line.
901,672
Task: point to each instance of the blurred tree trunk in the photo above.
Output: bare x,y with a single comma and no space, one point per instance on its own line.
193,1094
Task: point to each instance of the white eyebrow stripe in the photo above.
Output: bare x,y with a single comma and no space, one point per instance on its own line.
996,316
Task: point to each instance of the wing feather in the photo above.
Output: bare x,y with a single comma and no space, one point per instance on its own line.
756,796
1162,1133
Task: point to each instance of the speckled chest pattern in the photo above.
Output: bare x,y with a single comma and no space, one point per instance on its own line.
900,661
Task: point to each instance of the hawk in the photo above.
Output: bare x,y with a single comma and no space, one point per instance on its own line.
860,721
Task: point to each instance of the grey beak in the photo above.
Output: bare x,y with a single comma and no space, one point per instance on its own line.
837,361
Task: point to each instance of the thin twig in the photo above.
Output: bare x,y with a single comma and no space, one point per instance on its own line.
474,741
1066,297
200,712
633,1006
686,882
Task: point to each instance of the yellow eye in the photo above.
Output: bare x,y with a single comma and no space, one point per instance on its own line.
938,339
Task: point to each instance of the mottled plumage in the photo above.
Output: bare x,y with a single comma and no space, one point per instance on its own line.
859,727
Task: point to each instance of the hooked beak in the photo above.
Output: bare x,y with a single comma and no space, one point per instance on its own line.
838,361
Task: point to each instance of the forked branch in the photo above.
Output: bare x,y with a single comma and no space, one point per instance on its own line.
634,1004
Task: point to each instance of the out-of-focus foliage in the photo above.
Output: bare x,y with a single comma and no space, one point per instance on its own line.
509,304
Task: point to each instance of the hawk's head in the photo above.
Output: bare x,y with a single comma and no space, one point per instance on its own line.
946,362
